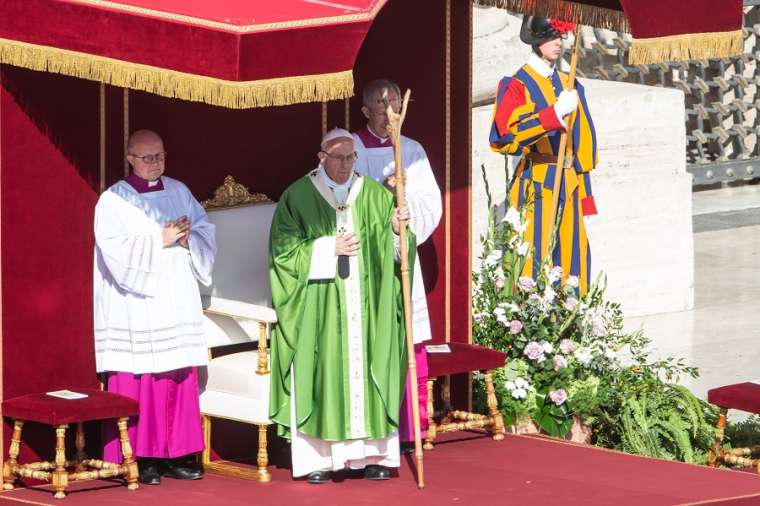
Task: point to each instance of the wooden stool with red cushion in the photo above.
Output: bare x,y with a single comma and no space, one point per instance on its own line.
464,358
49,410
744,397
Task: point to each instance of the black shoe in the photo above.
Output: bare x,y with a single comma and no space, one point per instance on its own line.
319,477
177,470
407,447
149,474
374,472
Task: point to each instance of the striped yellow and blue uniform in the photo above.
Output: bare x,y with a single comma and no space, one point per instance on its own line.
525,122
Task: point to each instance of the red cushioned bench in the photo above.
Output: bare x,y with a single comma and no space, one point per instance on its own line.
744,397
49,410
464,358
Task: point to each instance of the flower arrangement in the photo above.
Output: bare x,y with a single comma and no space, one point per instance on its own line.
569,357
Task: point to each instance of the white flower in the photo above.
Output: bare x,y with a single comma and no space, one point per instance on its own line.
549,294
522,227
610,354
572,282
521,383
509,385
512,217
522,249
555,275
500,315
494,257
583,355
519,393
548,348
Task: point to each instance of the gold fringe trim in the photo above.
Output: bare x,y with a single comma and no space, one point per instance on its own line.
173,84
693,46
567,11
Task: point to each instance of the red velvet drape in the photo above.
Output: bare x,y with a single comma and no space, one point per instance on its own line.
48,188
657,18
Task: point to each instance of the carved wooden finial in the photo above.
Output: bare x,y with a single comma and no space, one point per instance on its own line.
232,194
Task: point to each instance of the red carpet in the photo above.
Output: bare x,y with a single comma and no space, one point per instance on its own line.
467,470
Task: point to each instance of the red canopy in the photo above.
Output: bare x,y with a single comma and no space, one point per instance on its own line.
662,30
233,53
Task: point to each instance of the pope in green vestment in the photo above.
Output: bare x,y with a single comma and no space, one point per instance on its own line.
338,348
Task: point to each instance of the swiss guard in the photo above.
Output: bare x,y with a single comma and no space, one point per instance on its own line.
532,110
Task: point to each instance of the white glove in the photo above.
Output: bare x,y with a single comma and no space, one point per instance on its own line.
566,103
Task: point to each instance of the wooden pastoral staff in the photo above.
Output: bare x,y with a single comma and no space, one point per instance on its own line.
395,121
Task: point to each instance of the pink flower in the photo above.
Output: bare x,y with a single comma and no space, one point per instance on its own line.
571,303
566,346
598,329
526,283
559,362
499,282
534,351
515,326
558,396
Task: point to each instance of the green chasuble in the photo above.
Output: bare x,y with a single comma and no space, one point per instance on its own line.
343,339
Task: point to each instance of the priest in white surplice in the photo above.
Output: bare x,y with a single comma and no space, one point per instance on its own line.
153,244
423,197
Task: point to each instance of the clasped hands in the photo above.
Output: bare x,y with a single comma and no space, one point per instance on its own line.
176,232
348,244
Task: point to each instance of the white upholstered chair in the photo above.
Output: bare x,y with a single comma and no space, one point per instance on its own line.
237,309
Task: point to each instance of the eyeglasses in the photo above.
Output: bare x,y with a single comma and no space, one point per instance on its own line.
347,158
155,158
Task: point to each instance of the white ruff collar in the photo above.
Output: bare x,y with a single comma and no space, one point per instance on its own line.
540,66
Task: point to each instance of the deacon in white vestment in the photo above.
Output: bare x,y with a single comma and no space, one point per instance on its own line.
423,198
153,244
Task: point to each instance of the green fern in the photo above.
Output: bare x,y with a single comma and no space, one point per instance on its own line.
638,436
666,421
